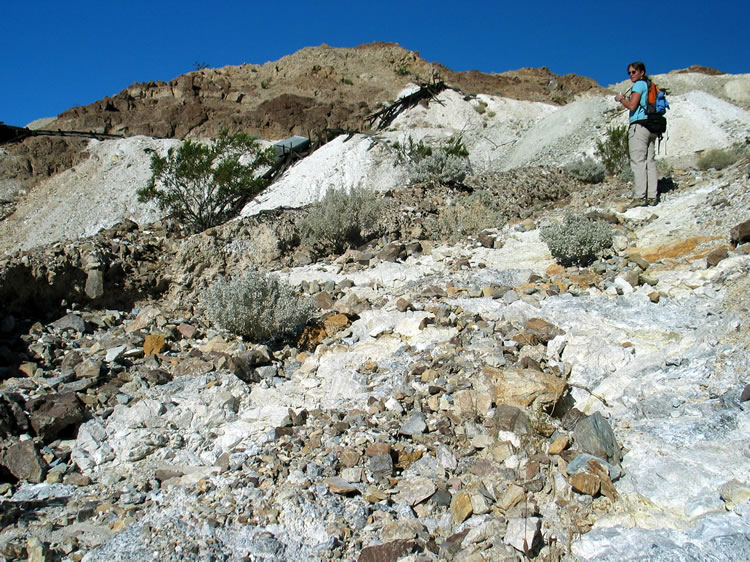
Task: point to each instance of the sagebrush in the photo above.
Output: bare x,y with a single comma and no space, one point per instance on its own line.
613,151
587,170
257,306
718,159
340,219
444,163
201,184
577,240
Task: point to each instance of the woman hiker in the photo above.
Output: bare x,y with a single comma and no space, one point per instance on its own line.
640,140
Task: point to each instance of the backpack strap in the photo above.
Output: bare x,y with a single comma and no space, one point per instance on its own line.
644,98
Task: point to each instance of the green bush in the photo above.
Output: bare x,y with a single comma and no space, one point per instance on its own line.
339,220
402,69
447,163
256,306
613,151
587,170
203,183
717,159
577,240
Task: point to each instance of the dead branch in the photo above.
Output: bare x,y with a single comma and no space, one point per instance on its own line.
427,91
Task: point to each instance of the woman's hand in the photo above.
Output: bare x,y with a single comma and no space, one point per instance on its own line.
630,103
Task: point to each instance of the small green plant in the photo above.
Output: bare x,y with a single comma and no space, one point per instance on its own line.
411,151
587,170
481,107
200,65
613,151
577,240
717,159
347,81
341,219
202,183
402,69
265,84
447,163
256,306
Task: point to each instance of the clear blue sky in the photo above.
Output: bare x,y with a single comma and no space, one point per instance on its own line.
60,54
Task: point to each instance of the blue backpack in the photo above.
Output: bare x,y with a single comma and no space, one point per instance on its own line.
656,100
656,106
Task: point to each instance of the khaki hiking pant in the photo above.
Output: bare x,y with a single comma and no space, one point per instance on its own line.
641,143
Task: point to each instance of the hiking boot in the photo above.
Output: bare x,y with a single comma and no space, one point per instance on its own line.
636,203
653,202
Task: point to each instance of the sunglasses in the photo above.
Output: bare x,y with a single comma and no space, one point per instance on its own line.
631,72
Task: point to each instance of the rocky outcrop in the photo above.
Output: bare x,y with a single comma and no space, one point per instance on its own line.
115,268
315,89
24,164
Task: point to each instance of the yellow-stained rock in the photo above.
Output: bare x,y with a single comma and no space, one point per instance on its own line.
154,344
558,445
335,323
461,507
584,278
678,249
312,336
28,368
429,375
586,483
522,387
512,495
606,487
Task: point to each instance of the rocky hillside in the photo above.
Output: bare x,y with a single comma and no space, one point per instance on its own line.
458,395
312,92
307,93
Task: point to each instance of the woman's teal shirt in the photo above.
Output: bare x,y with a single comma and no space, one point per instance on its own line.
640,112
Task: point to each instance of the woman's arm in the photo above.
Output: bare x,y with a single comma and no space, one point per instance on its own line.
630,103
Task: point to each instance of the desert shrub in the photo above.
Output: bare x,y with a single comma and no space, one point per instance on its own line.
467,216
446,163
481,107
256,305
202,183
587,170
717,159
613,151
577,240
402,69
339,220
